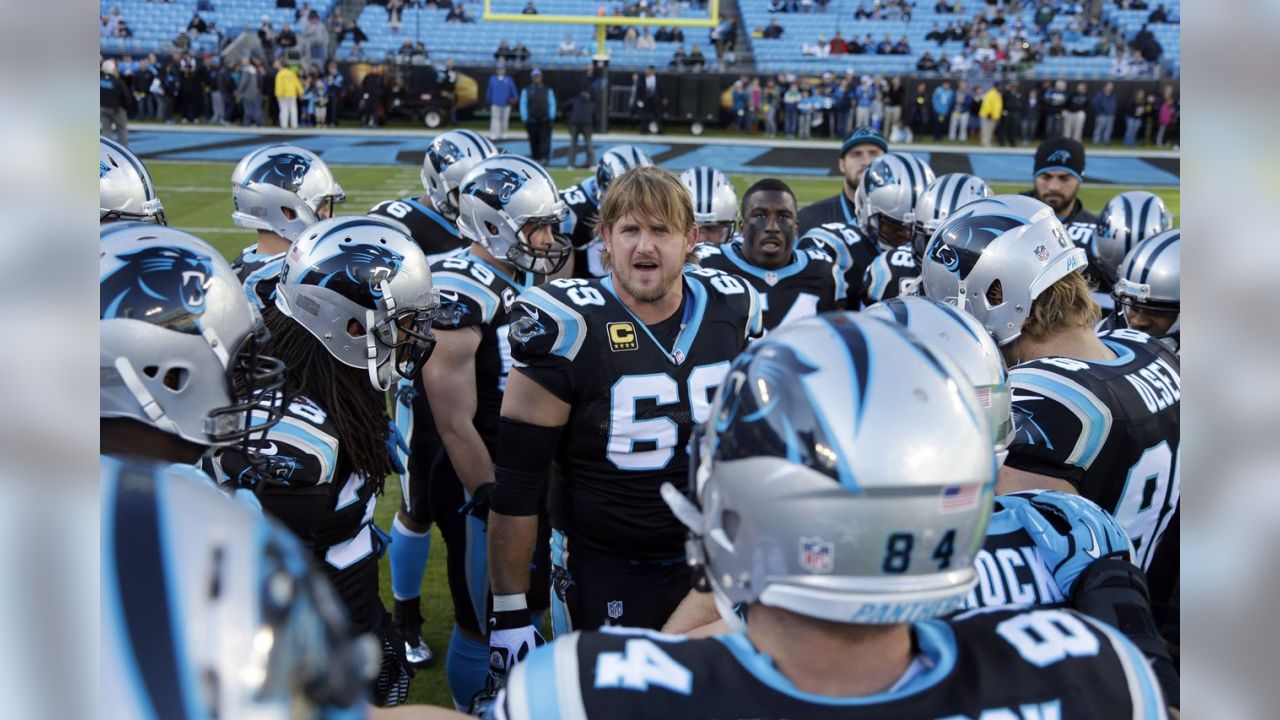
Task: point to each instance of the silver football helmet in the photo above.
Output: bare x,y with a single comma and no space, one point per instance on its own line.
715,201
992,258
449,158
125,190
284,189
944,196
178,340
957,335
499,197
1128,219
886,200
845,474
211,609
1151,279
616,161
363,289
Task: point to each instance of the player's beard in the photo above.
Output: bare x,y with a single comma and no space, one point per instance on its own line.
650,293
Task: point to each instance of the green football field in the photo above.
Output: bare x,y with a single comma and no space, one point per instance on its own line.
197,198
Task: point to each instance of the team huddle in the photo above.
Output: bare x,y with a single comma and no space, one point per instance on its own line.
911,451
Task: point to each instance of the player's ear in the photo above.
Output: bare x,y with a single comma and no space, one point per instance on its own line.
690,239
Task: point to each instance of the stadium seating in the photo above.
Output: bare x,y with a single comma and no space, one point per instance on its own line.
156,24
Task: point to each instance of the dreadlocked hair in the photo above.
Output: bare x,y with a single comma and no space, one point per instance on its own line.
358,412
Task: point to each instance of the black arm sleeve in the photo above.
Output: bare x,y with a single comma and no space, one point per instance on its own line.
521,475
1114,591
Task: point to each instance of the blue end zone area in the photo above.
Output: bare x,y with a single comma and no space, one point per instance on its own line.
674,153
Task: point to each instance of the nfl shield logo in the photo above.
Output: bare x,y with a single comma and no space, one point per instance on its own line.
771,278
615,609
816,555
1042,253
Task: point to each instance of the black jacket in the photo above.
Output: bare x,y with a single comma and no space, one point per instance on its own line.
582,109
112,94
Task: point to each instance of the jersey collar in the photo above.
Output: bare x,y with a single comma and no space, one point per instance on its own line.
693,307
799,261
935,641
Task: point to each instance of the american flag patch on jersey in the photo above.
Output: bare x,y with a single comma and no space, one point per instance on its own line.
959,497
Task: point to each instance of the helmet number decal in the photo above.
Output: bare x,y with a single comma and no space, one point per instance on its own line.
897,552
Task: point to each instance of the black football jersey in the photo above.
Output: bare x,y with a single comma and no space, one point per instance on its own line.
1043,663
1111,428
314,492
259,273
890,275
853,254
1011,571
811,283
435,234
476,294
583,200
636,392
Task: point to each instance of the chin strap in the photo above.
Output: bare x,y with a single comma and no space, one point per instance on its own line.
371,351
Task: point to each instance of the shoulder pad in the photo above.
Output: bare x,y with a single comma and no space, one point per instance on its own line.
702,251
548,319
1065,414
467,293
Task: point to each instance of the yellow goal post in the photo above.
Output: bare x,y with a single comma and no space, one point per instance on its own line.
603,21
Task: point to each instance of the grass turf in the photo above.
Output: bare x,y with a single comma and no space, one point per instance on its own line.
197,198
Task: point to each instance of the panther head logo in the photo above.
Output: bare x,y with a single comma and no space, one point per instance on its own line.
443,153
781,420
1059,157
961,241
495,186
356,271
879,175
162,285
103,169
285,170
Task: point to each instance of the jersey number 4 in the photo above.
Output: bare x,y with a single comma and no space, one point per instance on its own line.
627,429
642,664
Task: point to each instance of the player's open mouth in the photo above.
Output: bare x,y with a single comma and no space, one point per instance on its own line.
644,265
771,244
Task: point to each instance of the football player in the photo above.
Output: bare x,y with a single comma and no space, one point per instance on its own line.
715,203
610,377
1149,290
211,610
886,206
509,209
1126,220
280,191
898,272
584,201
856,153
1059,169
845,557
125,189
1097,415
431,220
792,284
180,349
1044,547
432,217
852,250
354,308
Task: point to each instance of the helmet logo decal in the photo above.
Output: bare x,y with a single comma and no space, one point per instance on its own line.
495,186
103,169
878,176
1042,253
162,285
356,271
817,555
285,170
443,153
1060,157
960,241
